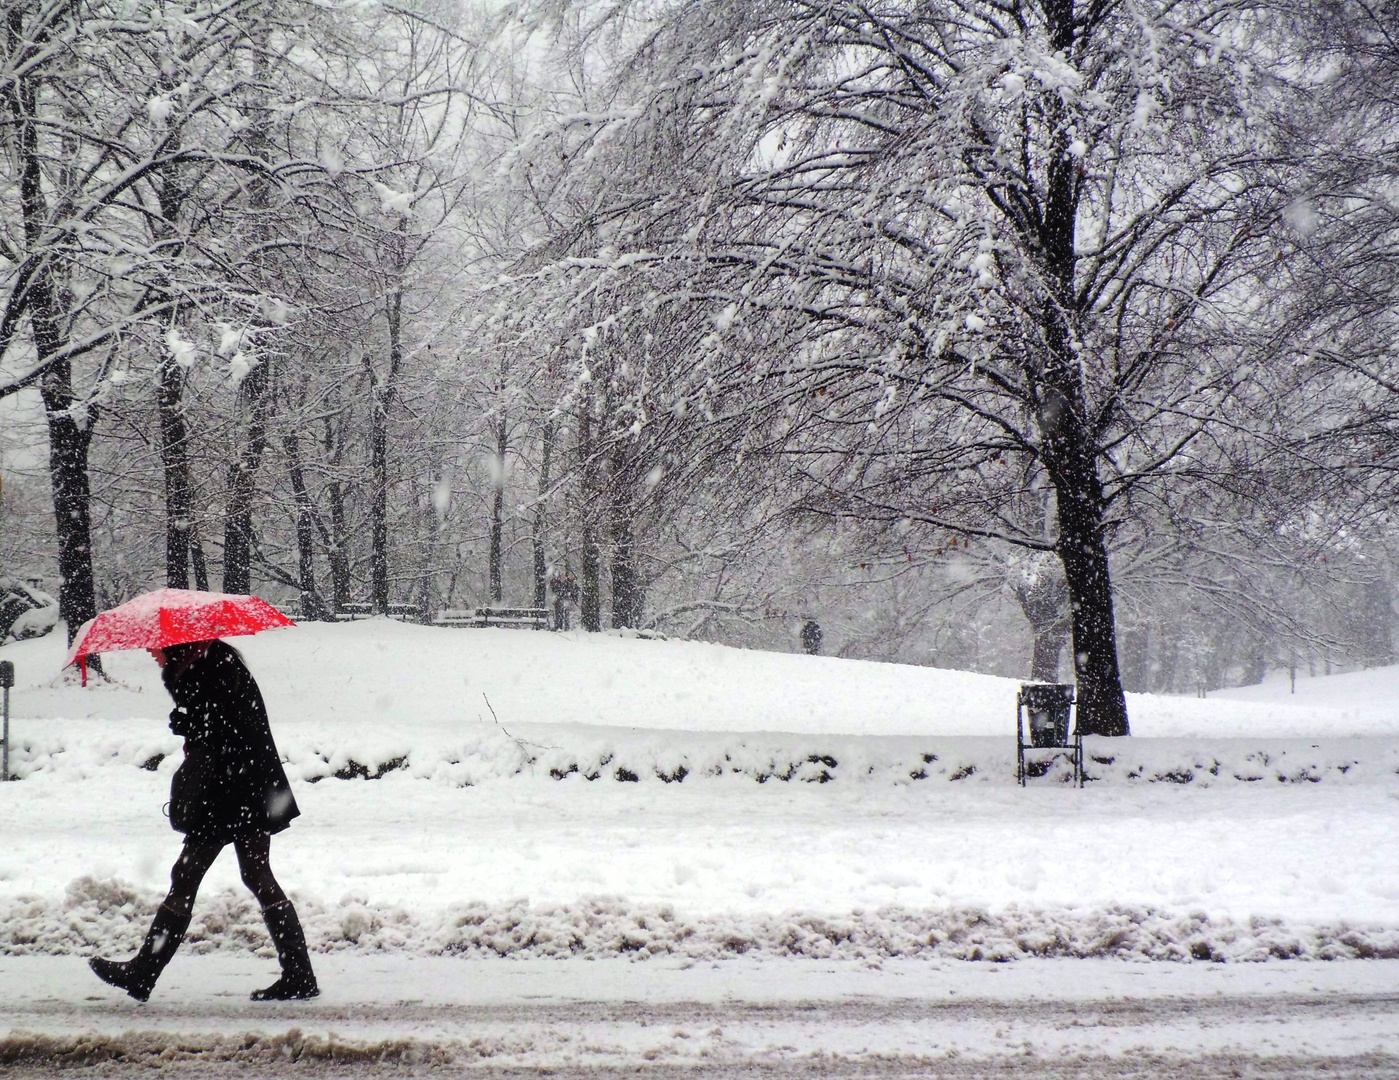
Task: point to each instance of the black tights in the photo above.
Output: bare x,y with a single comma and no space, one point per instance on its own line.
254,863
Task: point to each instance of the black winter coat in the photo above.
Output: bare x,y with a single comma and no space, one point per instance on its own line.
232,781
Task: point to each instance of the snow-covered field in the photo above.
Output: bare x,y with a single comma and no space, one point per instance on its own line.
497,793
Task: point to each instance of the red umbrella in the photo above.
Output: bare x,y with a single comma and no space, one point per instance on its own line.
172,617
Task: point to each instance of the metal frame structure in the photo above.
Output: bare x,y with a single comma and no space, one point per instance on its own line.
1033,696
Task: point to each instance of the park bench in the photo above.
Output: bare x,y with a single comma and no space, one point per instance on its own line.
520,618
354,610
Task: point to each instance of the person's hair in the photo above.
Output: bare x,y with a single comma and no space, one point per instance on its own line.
180,658
183,653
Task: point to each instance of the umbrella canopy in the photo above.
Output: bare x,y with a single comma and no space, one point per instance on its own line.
172,617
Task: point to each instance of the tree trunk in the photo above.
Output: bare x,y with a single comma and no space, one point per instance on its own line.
256,388
1068,448
196,555
335,548
69,440
381,396
174,457
336,556
242,486
626,591
170,405
1135,652
1376,624
1049,647
1255,662
541,568
589,588
1045,604
1068,453
1102,706
428,567
497,582
312,605
1167,659
72,500
379,509
69,420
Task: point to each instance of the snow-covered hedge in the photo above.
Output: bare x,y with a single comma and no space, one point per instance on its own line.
575,754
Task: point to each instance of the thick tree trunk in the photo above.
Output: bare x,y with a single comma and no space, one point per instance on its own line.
69,420
1049,647
541,567
1068,447
1102,706
590,588
238,535
70,435
1045,604
1068,453
626,589
72,499
174,457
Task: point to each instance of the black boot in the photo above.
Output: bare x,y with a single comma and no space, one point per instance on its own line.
298,980
137,976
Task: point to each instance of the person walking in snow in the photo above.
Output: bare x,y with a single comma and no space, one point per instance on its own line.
230,789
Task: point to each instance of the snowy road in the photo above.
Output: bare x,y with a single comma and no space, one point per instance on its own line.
404,1016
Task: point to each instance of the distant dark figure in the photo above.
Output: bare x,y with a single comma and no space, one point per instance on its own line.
566,593
230,789
811,636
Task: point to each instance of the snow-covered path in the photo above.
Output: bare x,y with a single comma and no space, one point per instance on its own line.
392,1013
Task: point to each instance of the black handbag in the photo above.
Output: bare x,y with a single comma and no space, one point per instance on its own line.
194,791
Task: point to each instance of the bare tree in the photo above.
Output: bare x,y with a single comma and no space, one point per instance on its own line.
993,232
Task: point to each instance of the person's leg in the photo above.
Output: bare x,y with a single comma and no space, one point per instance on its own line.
188,873
138,975
255,864
298,980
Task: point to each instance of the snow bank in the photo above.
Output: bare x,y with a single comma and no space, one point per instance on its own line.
108,917
379,675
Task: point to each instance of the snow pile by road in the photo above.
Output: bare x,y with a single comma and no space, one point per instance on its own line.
108,917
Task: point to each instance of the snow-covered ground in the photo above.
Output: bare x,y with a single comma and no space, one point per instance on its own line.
473,794
740,1018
